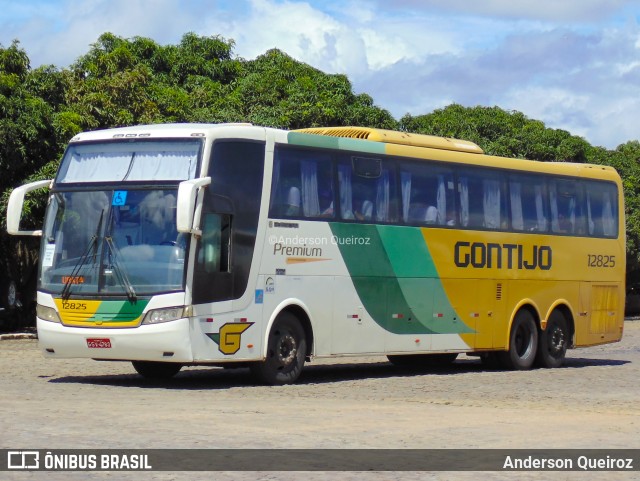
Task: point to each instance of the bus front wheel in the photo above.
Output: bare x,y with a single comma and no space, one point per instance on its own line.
523,342
554,341
156,370
286,352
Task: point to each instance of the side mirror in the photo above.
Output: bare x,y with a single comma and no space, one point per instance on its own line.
16,203
186,208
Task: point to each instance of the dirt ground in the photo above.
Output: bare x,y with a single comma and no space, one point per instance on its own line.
592,402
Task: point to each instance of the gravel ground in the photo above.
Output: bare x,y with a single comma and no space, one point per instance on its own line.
592,402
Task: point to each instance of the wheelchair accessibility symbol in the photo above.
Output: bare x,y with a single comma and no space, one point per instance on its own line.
119,198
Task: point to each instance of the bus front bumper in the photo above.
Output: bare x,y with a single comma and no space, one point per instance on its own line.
168,341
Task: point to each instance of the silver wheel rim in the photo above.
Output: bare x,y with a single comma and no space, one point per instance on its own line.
556,341
286,350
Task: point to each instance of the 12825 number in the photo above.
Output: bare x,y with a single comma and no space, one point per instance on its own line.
74,306
598,260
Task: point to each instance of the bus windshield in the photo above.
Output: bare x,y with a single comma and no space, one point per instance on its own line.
112,242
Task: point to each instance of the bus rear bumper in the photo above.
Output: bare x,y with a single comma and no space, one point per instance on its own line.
169,342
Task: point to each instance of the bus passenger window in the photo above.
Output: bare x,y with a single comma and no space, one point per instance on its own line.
366,190
529,203
427,194
602,209
566,207
482,200
302,184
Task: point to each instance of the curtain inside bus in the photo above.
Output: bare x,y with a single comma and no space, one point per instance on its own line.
129,161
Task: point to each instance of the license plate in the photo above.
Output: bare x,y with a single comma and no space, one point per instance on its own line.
99,343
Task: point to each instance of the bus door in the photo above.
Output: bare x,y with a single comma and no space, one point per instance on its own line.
223,297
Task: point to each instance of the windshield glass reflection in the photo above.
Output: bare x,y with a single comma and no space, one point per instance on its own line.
112,242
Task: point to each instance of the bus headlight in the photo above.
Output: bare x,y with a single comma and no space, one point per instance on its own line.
156,316
47,314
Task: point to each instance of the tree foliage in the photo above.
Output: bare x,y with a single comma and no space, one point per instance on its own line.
125,82
27,106
499,132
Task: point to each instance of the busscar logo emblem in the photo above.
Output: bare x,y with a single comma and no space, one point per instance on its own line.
269,285
229,336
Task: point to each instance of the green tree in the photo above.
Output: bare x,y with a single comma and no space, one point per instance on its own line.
626,160
28,140
500,132
278,91
27,135
124,82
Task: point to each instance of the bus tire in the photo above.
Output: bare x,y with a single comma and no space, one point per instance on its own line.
156,370
523,342
553,342
286,352
422,360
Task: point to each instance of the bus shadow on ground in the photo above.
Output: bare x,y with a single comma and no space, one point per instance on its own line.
207,378
577,362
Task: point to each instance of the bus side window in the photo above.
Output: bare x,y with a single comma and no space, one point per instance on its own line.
302,184
602,211
529,203
427,194
213,254
366,189
482,200
566,207
235,195
213,279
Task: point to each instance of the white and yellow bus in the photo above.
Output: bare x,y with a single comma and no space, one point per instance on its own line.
174,245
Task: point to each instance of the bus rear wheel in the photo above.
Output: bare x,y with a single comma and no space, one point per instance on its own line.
554,341
156,370
286,352
523,342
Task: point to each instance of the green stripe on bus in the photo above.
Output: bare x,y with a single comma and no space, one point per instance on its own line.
418,278
407,251
339,143
396,279
120,311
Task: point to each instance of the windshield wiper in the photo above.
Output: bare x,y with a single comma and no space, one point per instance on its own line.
93,243
120,271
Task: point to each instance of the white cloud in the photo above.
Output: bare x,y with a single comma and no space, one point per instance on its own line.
546,10
583,82
559,107
296,28
615,122
344,43
60,36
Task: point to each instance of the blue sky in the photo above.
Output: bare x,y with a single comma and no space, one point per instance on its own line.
574,64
